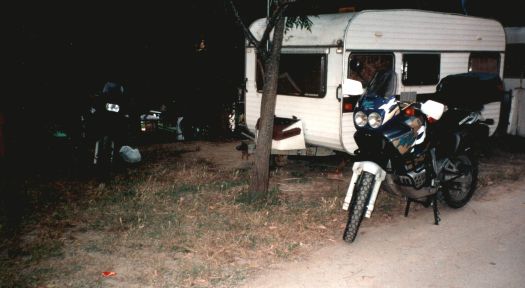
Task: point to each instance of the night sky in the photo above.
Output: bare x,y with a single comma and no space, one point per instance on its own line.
61,53
68,52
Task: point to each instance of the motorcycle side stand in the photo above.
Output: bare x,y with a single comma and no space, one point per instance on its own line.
429,201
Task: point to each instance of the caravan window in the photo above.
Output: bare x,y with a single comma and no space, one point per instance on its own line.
370,63
484,62
420,69
514,61
299,74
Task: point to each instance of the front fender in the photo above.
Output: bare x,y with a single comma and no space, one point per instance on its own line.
358,168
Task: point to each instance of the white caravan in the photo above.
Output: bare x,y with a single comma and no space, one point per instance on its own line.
515,62
421,46
513,78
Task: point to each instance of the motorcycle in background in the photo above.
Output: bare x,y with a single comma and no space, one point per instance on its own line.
108,125
423,151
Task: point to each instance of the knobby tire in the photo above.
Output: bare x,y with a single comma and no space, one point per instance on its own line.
358,204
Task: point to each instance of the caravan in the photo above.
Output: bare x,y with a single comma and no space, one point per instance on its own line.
515,60
422,47
513,78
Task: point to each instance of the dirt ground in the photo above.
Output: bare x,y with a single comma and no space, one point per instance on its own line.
178,220
448,255
288,178
481,245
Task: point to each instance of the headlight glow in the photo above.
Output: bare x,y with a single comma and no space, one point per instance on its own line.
360,119
374,120
112,107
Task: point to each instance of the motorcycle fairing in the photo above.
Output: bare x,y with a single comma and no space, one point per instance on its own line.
386,107
391,109
405,133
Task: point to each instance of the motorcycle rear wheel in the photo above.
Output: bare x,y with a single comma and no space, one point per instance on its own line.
356,211
457,192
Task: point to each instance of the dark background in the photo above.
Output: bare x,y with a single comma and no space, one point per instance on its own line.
60,53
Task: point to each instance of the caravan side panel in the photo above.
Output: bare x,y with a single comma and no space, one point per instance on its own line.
347,132
320,116
252,100
453,63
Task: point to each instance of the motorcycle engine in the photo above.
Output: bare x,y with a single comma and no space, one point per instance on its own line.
391,184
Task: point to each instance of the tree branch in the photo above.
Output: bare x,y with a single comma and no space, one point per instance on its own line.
270,26
247,33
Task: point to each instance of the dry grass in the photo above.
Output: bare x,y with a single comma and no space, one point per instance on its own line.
177,220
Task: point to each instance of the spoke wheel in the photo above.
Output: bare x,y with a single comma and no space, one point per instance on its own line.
460,180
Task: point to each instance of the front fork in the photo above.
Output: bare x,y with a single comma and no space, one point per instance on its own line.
357,169
97,155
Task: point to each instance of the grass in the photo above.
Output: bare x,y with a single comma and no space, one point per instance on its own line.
180,223
172,222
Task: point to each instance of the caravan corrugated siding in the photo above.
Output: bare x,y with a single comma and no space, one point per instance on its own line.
320,116
401,30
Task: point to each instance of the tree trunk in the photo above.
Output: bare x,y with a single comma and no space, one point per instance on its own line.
260,172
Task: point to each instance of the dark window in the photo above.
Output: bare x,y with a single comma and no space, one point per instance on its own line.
299,75
370,64
484,62
420,69
514,61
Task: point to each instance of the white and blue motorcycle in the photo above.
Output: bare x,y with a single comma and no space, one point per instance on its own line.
423,151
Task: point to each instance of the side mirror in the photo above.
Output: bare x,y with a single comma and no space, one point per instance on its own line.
352,87
433,109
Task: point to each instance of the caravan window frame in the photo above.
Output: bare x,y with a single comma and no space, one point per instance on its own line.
487,56
322,72
430,76
368,53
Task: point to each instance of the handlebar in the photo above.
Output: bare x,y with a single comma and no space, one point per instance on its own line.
470,118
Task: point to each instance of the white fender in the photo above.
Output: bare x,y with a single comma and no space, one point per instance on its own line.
357,169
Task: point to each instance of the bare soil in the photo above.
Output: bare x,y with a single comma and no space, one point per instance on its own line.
480,245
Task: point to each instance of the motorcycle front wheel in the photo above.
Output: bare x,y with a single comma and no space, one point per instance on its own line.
104,154
356,210
461,178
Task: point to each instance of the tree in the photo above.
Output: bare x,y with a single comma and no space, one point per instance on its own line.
270,52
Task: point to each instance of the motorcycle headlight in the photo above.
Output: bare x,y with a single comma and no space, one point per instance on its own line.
374,120
112,107
360,119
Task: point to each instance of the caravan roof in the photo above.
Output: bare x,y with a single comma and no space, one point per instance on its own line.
325,31
400,29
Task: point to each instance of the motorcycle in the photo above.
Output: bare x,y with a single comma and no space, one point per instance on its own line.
109,123
423,151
